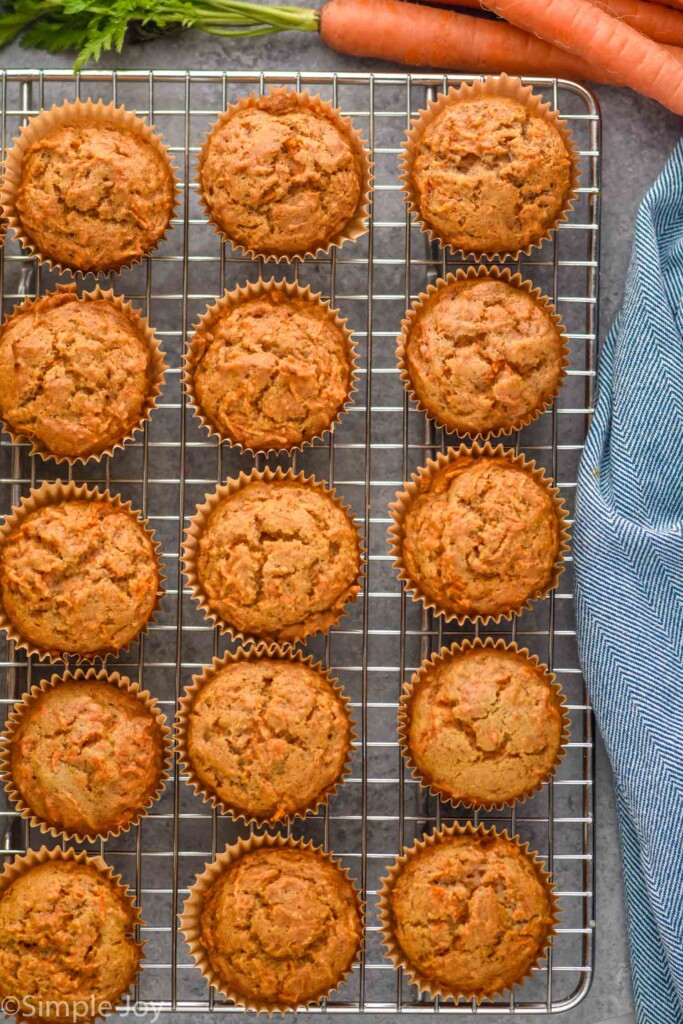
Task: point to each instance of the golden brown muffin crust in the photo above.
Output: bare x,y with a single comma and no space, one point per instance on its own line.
278,559
66,938
281,926
481,536
471,914
94,196
74,374
490,175
280,178
484,725
483,355
274,371
79,577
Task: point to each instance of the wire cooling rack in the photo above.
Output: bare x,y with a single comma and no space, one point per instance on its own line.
381,440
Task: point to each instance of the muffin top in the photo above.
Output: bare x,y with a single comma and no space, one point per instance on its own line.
80,577
74,374
281,927
86,756
272,371
268,737
483,355
66,940
471,914
481,536
281,178
278,559
94,196
484,725
490,175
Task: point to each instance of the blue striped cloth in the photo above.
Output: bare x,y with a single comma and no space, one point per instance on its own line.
628,550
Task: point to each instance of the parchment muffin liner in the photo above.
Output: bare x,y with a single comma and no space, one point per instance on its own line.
68,113
425,985
191,925
229,300
499,85
199,521
404,721
22,863
157,373
404,498
353,229
56,494
29,700
416,311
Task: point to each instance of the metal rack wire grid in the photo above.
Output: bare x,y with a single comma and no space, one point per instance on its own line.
380,441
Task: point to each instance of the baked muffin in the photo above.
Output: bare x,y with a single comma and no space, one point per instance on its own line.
67,941
79,577
280,927
269,369
482,725
482,354
77,375
468,914
479,535
85,756
283,175
276,558
265,737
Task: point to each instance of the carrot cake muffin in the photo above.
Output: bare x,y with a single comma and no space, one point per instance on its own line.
272,371
75,374
281,178
482,725
267,738
469,915
490,174
79,577
482,355
67,941
280,927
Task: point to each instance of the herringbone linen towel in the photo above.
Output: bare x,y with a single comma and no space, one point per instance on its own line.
628,550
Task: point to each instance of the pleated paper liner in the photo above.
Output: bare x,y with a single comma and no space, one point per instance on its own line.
404,721
23,863
425,985
358,223
425,299
419,480
200,343
58,493
156,375
31,700
501,86
191,925
198,523
69,113
259,652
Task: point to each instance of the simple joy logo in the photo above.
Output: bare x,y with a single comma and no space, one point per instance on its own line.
71,1012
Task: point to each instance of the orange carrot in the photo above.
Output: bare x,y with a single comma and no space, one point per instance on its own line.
676,4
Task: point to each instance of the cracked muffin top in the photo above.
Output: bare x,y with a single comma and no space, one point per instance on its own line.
488,174
67,941
75,374
267,737
86,757
481,536
279,560
470,914
281,178
79,577
94,196
272,371
281,927
483,355
483,726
